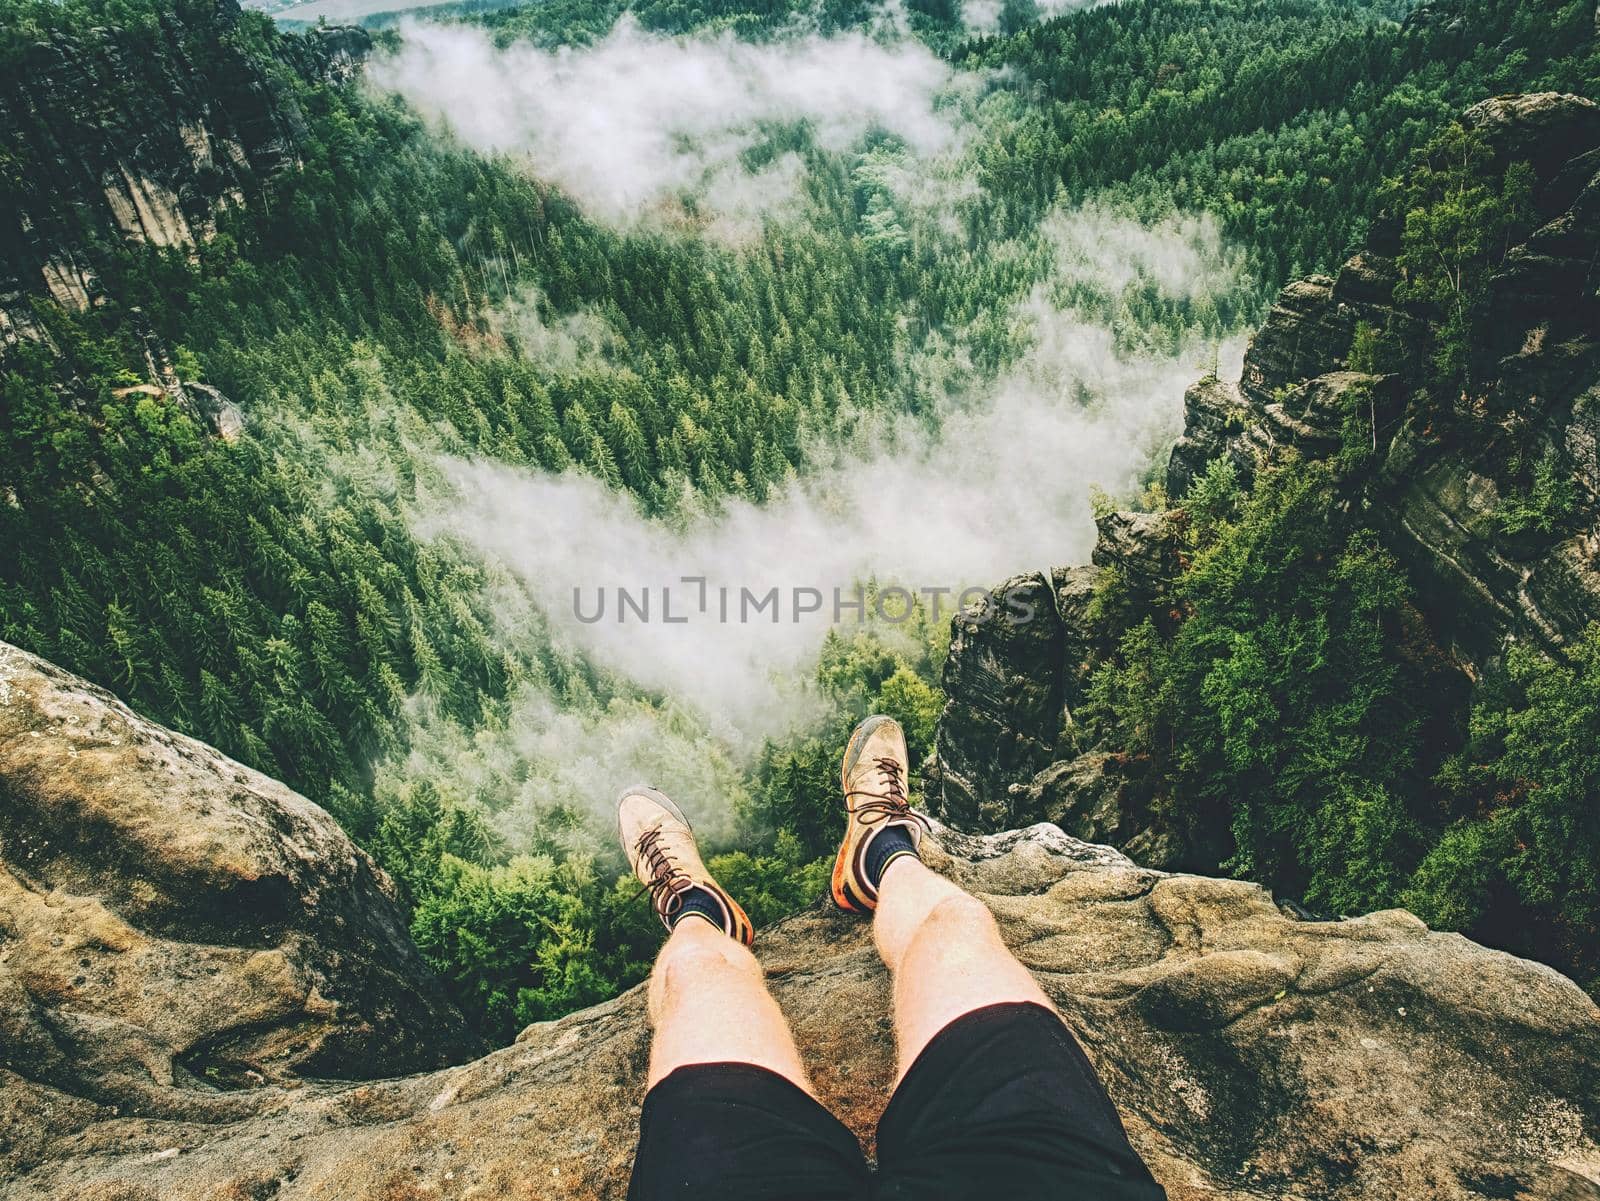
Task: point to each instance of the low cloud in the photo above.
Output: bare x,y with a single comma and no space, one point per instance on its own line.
541,759
561,342
983,16
1001,487
633,124
1182,255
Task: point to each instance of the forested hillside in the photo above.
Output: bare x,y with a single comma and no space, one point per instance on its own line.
1047,225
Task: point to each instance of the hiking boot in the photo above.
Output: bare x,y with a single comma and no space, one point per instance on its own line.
880,824
661,850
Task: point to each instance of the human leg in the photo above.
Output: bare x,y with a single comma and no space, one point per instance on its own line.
709,1004
944,955
994,1096
729,1114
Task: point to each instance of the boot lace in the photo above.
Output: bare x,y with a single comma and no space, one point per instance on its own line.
668,881
889,805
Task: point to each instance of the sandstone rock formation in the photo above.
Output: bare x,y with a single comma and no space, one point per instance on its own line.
1538,399
1003,755
186,949
1009,677
175,927
142,136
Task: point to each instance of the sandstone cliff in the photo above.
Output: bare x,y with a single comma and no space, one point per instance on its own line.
1436,496
1435,493
142,135
175,927
189,951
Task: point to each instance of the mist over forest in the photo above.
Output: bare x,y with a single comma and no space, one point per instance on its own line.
1053,387
552,302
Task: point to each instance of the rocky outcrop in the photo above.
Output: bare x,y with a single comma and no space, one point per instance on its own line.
335,53
142,135
1005,751
177,930
188,951
1007,684
1004,754
219,413
1546,130
1251,1056
1215,414
1092,797
1440,495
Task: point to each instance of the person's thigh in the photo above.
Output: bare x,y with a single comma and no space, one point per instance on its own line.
737,1132
1002,1103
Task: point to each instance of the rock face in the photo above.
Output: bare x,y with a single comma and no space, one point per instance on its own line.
176,929
1003,754
1010,678
1437,499
188,950
145,136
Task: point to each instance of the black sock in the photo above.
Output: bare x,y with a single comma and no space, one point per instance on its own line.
889,844
703,902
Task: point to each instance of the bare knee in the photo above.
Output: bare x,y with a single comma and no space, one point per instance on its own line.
956,962
961,915
956,924
687,965
682,960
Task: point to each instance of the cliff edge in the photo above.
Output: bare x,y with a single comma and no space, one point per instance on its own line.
189,951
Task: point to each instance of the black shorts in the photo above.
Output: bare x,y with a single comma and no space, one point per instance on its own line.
1000,1104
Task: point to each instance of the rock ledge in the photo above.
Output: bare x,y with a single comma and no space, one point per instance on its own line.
1252,1055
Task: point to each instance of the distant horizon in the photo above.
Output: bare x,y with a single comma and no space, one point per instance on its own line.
341,10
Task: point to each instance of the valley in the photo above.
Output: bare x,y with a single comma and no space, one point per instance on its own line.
336,360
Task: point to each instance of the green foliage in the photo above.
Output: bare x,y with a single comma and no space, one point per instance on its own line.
1286,692
1281,117
515,942
1376,351
772,886
1520,865
269,596
1460,219
915,702
1284,688
1284,706
1212,503
1546,506
1358,428
1017,15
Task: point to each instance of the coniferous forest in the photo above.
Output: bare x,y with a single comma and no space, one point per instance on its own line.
275,482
